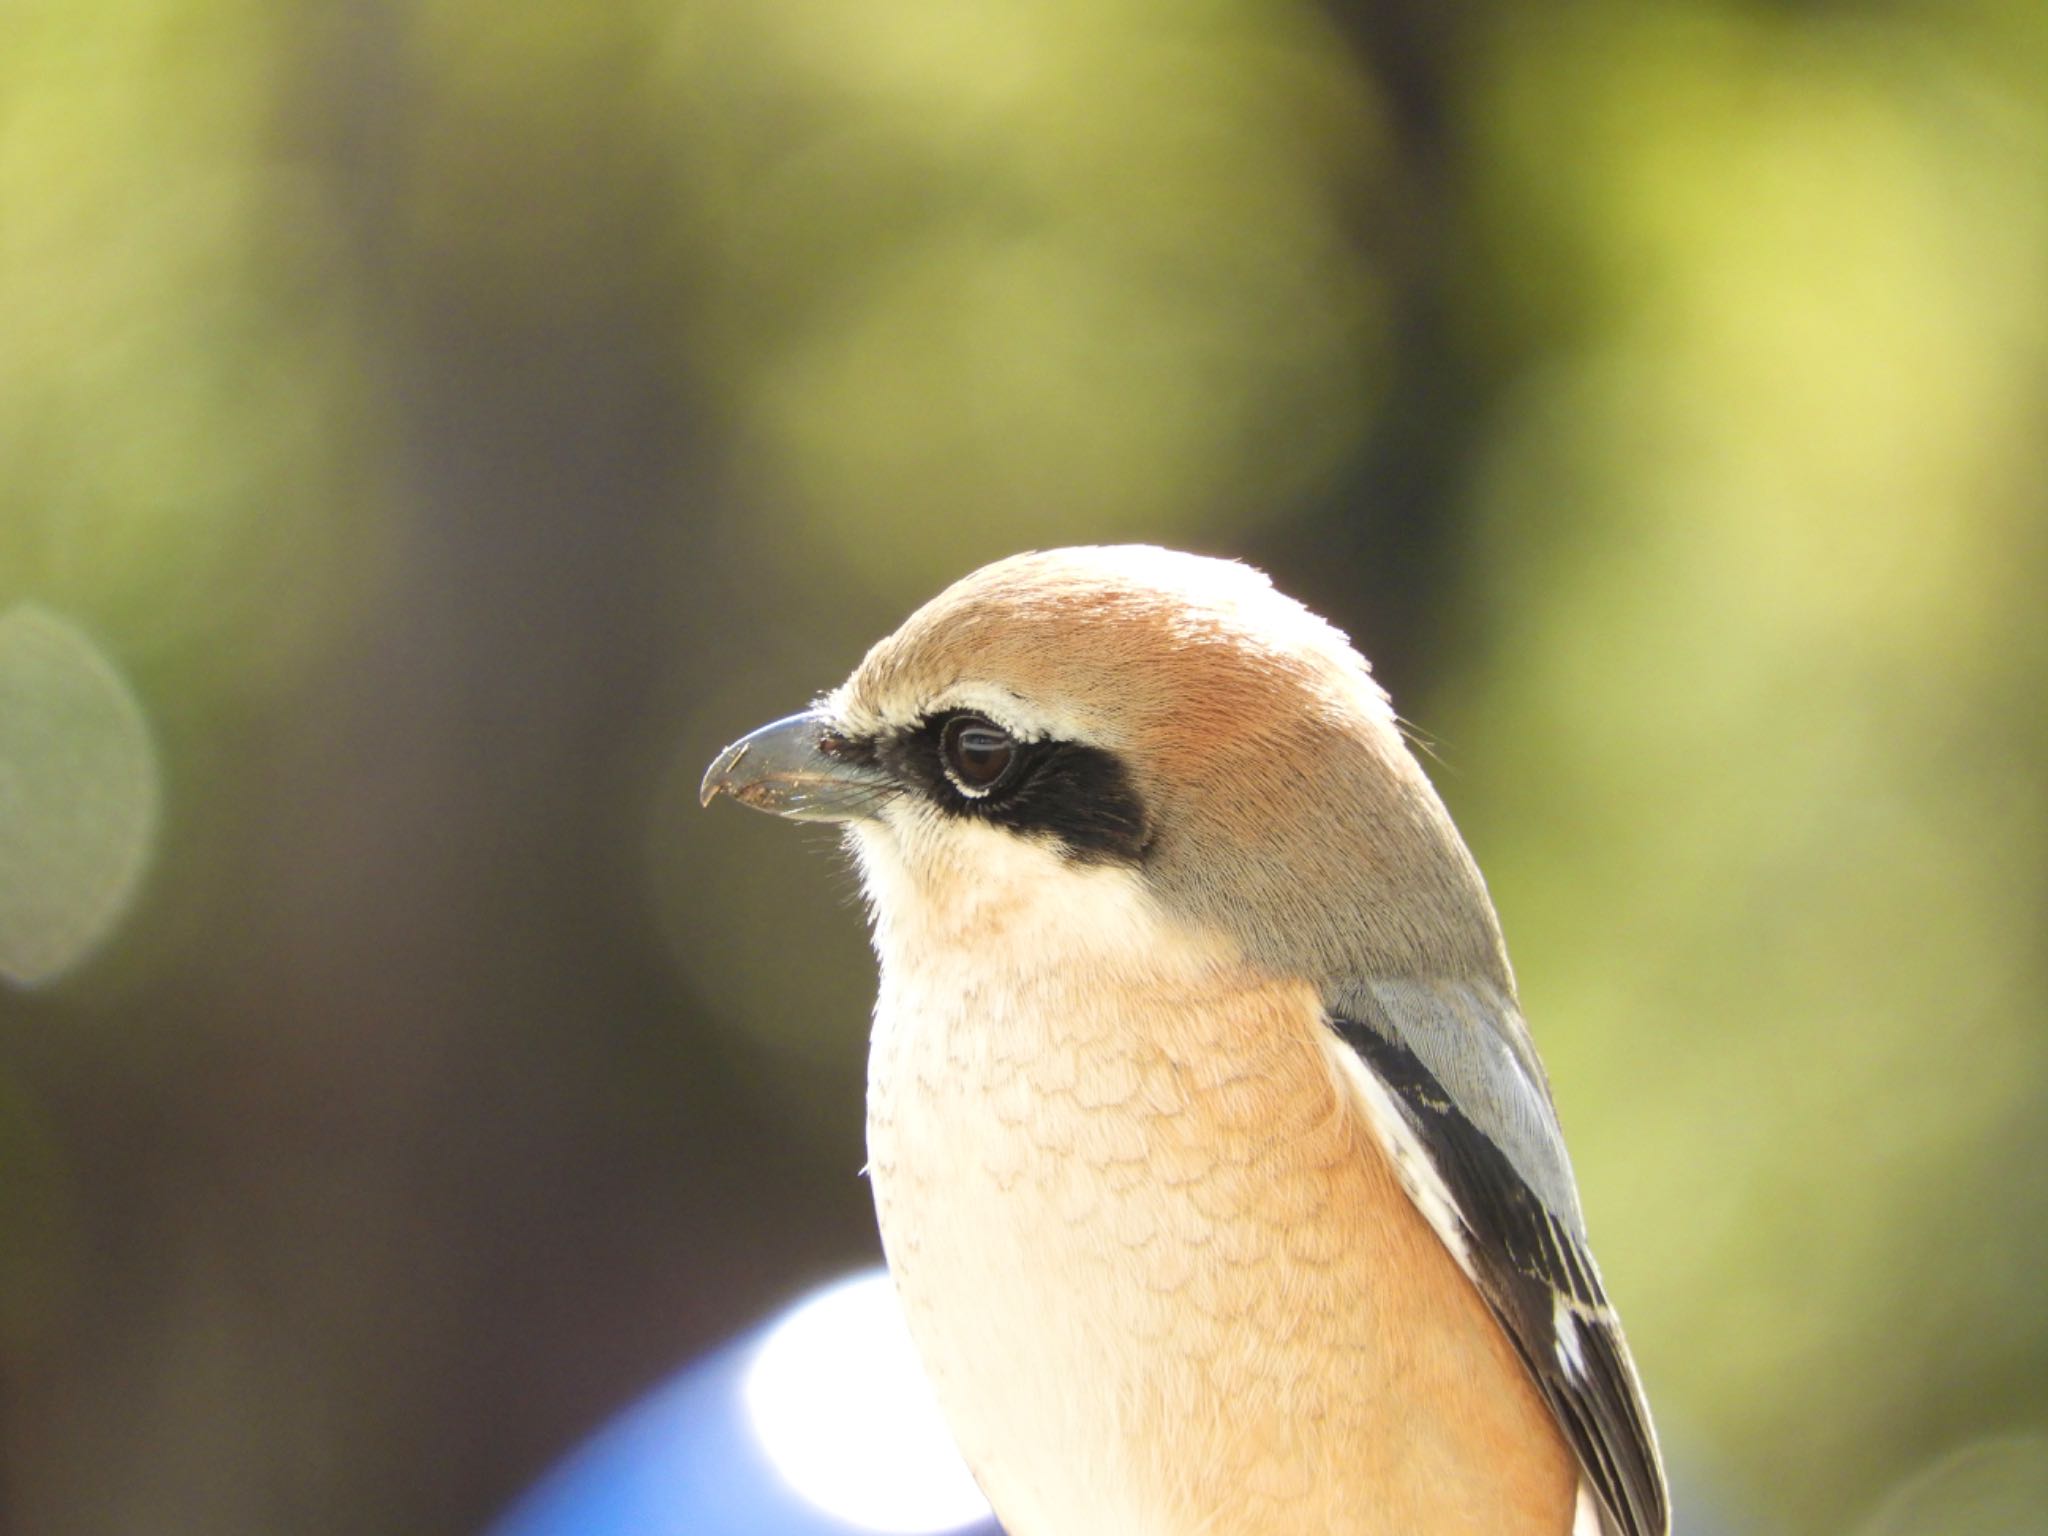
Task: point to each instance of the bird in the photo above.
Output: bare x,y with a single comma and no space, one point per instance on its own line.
1220,1180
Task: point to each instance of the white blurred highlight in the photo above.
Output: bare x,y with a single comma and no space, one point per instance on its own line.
841,1405
1994,1487
78,796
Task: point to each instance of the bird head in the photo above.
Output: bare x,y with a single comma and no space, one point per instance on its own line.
1160,728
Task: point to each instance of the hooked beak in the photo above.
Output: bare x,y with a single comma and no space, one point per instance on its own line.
798,768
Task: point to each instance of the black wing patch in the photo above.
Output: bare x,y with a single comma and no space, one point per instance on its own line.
1539,1281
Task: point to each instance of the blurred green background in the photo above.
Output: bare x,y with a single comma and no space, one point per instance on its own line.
429,431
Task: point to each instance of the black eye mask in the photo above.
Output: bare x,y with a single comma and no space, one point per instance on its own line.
1079,795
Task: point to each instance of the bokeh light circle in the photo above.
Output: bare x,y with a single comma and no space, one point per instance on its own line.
843,1410
1991,1487
78,796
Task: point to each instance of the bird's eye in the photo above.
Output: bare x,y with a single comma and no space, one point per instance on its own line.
978,754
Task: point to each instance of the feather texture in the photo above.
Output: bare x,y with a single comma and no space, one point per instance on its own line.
1529,1261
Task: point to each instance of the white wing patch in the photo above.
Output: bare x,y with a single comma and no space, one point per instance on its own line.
1397,1138
1586,1517
1570,1354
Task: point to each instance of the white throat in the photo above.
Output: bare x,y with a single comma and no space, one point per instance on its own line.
1010,910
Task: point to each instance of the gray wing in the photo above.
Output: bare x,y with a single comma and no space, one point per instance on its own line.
1452,1063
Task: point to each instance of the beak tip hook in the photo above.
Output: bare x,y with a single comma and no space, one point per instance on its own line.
717,776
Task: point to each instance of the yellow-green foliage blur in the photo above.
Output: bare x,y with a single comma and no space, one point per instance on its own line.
428,430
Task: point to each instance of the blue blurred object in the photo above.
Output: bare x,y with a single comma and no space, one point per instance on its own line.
683,1461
